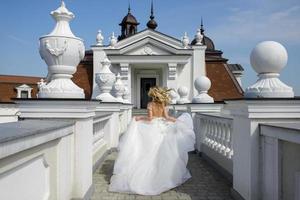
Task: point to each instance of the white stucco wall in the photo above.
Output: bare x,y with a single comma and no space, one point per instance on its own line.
290,166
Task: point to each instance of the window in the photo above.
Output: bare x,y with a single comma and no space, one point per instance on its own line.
24,94
23,91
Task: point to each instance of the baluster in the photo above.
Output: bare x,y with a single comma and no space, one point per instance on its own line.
217,142
205,131
230,141
220,124
215,134
222,138
209,132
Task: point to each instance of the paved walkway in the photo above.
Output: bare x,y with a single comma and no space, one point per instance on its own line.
206,183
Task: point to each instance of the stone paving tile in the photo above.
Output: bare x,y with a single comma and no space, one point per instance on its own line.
206,183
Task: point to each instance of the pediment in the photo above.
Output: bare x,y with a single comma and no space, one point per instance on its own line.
147,47
149,42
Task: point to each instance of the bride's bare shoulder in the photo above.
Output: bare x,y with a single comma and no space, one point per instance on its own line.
149,105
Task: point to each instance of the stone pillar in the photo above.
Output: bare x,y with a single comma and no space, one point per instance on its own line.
82,112
248,115
198,65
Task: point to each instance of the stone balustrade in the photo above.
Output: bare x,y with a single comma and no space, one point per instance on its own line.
61,142
214,139
217,133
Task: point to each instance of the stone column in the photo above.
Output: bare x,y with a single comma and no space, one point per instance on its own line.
198,65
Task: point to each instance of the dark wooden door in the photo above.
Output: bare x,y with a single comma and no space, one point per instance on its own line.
146,84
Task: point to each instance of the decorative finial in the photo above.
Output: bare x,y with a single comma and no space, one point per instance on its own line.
99,38
63,4
268,58
152,23
185,40
202,29
202,85
113,40
198,37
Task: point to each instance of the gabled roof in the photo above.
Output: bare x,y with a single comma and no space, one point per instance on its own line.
164,44
168,40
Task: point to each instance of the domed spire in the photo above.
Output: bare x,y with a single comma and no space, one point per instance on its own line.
128,25
152,23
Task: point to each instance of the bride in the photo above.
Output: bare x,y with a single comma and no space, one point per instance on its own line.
153,153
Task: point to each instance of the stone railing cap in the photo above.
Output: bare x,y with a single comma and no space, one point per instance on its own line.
15,130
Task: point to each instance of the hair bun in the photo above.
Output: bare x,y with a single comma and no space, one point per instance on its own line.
160,94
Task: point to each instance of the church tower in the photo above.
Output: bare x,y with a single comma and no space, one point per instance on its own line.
128,25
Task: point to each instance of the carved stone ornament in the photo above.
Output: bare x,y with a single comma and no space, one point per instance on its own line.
185,41
105,81
126,95
62,52
148,50
99,38
183,93
198,37
202,85
113,40
174,96
119,88
268,59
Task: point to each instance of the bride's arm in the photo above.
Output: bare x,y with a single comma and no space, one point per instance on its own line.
146,118
166,115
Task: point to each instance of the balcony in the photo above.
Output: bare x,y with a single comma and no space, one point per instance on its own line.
245,149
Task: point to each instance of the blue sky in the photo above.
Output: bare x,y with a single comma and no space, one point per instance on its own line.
235,26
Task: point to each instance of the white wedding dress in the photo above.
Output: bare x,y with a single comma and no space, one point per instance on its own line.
153,156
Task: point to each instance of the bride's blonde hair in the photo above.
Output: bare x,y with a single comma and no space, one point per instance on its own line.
160,94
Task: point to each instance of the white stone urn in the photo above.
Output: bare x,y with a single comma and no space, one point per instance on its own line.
119,88
198,37
126,95
174,96
105,80
62,52
268,59
99,38
183,93
113,40
185,40
202,85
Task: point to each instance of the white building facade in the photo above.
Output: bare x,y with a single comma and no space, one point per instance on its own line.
151,58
